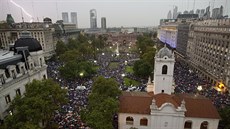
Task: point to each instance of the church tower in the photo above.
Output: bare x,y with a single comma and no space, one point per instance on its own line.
163,71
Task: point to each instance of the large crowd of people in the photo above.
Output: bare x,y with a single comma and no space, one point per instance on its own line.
69,115
186,81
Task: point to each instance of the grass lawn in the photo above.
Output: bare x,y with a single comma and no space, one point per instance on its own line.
129,82
129,69
95,68
113,65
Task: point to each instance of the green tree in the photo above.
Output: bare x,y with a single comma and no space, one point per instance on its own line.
142,68
61,48
72,44
72,69
225,115
149,55
71,55
36,108
103,104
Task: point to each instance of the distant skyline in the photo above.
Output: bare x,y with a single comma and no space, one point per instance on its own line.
127,13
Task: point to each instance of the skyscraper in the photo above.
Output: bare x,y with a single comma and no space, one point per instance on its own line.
103,23
93,18
73,16
175,12
65,17
169,15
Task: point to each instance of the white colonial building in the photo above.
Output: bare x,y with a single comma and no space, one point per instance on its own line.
159,108
23,63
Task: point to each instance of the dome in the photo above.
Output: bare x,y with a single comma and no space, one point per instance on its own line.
27,40
47,20
164,52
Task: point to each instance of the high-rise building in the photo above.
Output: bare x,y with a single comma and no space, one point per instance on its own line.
217,12
207,13
175,12
103,23
169,16
65,17
93,18
202,11
74,18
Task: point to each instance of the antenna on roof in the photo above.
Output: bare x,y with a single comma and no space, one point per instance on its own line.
57,10
226,7
188,5
33,9
194,6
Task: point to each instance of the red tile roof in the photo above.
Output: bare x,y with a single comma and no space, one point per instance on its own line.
139,103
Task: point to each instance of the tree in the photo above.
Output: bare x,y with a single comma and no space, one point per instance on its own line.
37,106
142,68
71,55
61,48
225,115
72,69
103,104
149,55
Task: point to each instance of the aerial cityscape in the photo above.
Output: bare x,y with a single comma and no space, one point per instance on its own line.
70,64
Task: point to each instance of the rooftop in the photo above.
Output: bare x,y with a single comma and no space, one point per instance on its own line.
139,103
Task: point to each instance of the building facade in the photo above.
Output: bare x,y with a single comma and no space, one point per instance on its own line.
169,16
43,32
103,23
217,13
182,38
24,63
159,108
74,18
208,49
167,33
65,17
93,19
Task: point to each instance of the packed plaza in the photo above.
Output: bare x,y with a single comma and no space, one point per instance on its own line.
186,81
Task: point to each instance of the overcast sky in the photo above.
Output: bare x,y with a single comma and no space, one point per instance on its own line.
118,13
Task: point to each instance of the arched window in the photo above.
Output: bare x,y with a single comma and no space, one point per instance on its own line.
204,125
144,122
41,61
129,120
164,69
188,125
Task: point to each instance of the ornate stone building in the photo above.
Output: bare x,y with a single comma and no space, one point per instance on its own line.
19,66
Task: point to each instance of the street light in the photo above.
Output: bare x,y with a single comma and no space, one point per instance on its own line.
199,88
81,74
123,75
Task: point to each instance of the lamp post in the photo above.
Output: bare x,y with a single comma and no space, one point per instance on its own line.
81,75
199,88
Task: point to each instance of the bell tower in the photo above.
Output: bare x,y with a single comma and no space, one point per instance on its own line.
163,71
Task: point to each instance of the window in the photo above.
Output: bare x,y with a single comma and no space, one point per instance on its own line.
188,125
41,61
144,122
44,76
7,98
129,120
204,125
2,79
13,74
164,69
18,92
